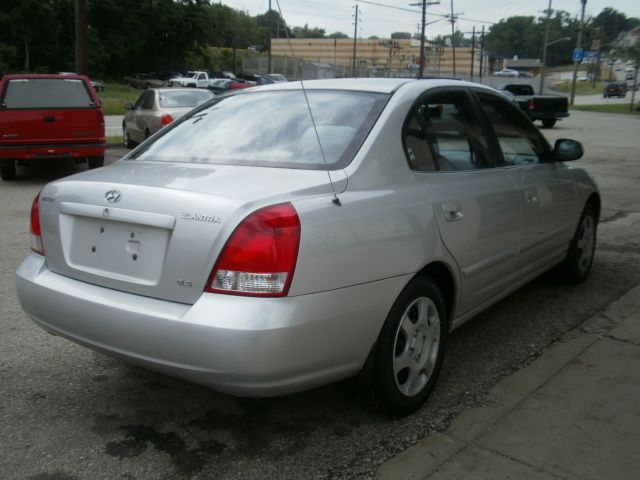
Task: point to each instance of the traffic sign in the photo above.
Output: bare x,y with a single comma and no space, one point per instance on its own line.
578,53
590,55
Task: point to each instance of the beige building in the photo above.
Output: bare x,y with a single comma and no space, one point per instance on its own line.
378,56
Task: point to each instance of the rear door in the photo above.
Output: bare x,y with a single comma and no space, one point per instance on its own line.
476,204
546,189
49,111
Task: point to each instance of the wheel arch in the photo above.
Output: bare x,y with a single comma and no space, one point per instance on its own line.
444,279
595,201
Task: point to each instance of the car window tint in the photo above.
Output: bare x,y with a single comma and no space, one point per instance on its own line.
452,136
271,129
519,141
183,98
46,93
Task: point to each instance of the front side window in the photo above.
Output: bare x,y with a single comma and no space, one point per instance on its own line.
271,129
46,93
441,133
519,141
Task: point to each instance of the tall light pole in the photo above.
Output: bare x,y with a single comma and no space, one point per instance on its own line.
578,46
355,40
544,49
424,5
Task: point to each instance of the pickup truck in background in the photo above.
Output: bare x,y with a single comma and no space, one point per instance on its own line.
52,117
547,108
194,79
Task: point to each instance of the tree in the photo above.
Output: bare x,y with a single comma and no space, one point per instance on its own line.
306,32
337,35
400,35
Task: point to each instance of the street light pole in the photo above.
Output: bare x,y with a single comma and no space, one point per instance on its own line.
578,45
544,49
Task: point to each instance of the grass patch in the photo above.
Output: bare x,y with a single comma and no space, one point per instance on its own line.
115,96
114,140
582,88
607,108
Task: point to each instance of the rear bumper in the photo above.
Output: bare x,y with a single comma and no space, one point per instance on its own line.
547,115
52,151
239,345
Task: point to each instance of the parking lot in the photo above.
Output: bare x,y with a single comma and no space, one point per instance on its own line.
70,413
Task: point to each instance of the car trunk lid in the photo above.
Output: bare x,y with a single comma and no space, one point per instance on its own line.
157,229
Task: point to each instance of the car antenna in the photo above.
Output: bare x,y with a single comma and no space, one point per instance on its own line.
335,200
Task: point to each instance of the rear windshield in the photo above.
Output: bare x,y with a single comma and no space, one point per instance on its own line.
271,128
520,89
46,93
182,99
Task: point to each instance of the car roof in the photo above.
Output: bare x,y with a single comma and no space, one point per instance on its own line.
173,89
45,75
374,85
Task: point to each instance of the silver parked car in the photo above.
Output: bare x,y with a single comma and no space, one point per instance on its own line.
157,108
277,239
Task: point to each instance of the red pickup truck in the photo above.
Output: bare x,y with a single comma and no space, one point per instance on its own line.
49,117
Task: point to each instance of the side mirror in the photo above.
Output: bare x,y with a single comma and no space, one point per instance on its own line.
565,150
128,106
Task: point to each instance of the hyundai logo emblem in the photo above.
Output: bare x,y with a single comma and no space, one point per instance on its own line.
113,196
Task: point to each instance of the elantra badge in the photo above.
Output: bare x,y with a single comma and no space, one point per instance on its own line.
113,196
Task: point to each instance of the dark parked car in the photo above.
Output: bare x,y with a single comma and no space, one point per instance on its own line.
615,89
144,80
51,117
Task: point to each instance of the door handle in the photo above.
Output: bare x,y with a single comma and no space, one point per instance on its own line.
452,212
531,197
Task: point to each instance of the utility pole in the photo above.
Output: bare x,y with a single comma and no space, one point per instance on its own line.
544,49
424,5
578,45
81,37
270,35
481,52
473,49
452,18
355,40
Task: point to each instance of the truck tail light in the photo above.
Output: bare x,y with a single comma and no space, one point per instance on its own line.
532,104
35,237
260,256
166,119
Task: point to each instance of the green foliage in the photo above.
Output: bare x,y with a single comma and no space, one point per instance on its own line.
306,32
337,35
401,35
608,108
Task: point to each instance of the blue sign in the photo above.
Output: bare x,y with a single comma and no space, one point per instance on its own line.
591,55
578,53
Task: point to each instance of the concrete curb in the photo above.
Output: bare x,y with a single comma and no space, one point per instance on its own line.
426,457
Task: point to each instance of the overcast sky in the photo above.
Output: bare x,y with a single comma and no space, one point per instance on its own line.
336,15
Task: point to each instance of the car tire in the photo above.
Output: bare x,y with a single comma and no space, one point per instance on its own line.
549,123
410,348
579,260
95,162
126,139
8,170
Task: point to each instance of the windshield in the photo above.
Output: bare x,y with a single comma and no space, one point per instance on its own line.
183,98
271,128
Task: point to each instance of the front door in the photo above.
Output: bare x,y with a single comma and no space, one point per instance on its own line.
547,191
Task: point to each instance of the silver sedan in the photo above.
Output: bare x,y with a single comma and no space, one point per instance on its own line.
156,108
292,235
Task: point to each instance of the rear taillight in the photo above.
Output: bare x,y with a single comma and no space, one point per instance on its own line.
35,231
260,256
166,119
532,104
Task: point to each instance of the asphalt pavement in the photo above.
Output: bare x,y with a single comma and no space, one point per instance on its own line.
69,413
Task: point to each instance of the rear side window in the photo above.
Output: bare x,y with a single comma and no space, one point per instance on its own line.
183,98
46,93
272,129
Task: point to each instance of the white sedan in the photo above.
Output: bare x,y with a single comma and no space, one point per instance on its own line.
506,72
288,236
